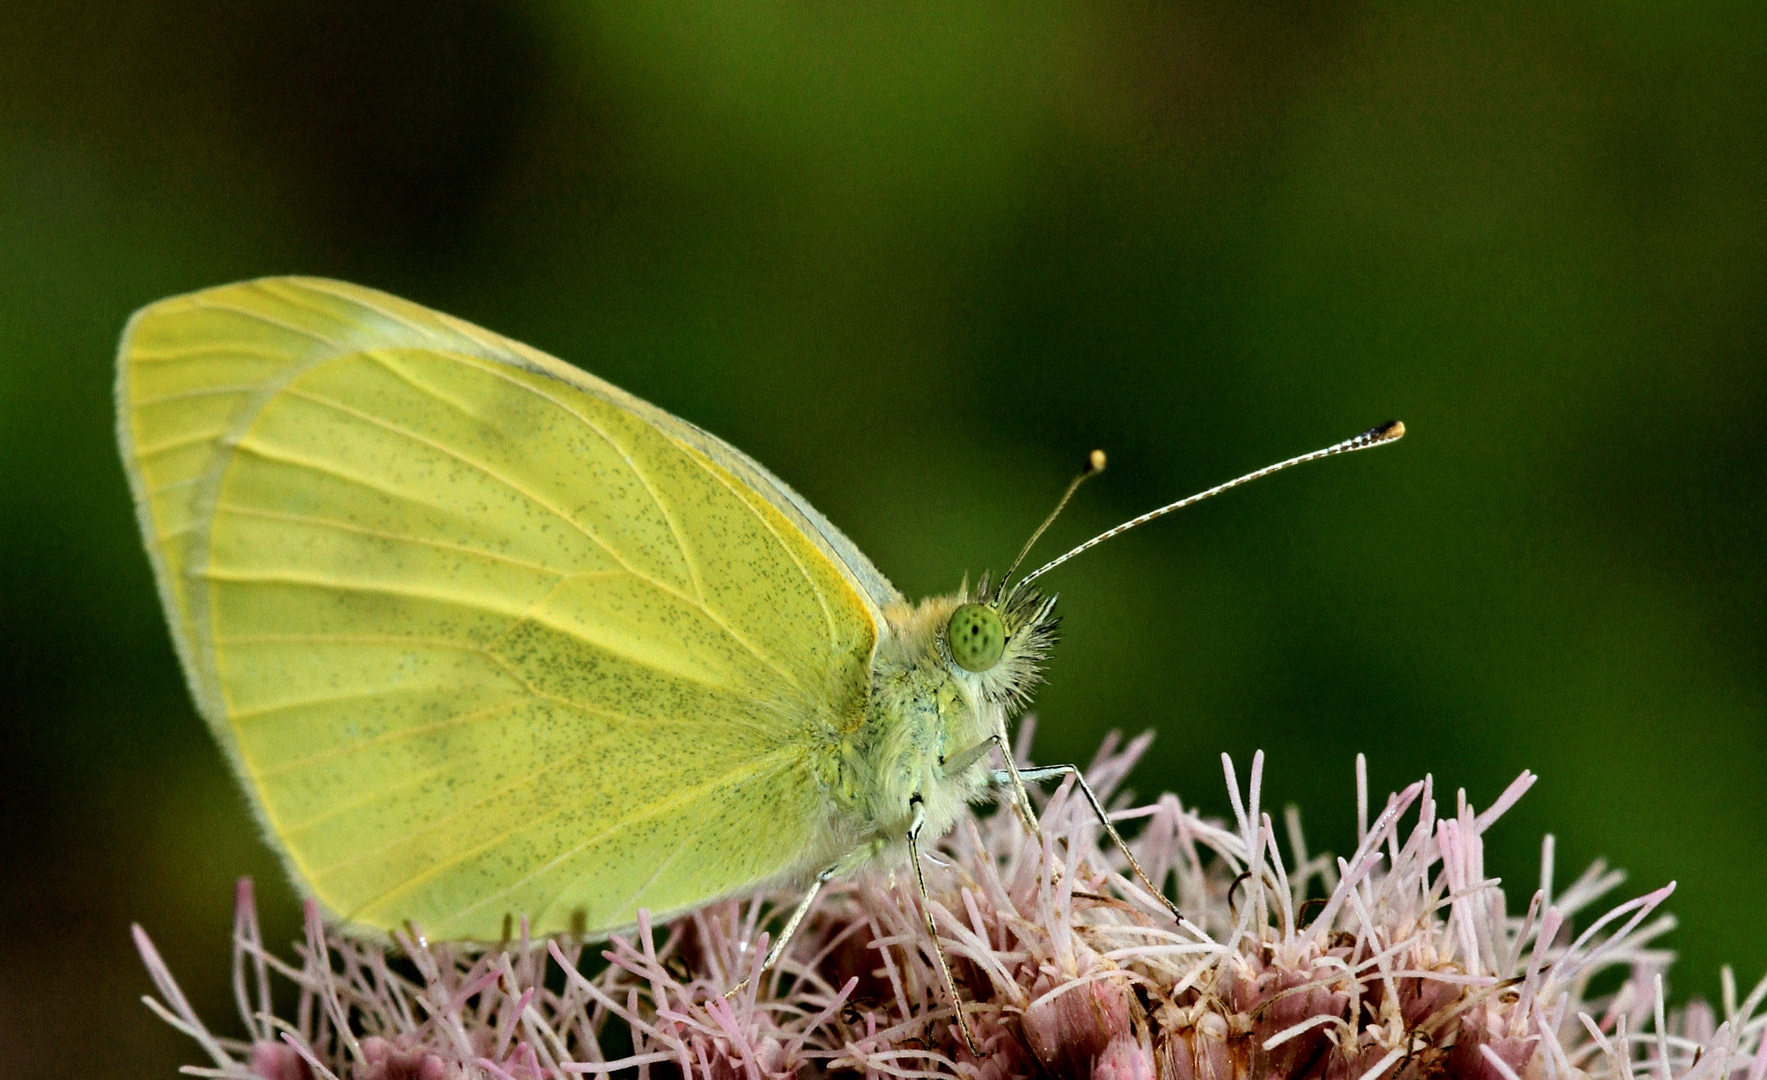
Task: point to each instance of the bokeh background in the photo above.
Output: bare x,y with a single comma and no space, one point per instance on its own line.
919,258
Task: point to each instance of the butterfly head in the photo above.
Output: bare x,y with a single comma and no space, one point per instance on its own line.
999,638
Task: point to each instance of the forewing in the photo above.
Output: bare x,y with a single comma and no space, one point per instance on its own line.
482,637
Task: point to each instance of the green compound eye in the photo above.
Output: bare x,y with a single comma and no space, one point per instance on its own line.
976,636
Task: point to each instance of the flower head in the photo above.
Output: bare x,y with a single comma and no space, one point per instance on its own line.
1401,961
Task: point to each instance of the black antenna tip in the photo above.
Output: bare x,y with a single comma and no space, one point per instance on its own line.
1387,432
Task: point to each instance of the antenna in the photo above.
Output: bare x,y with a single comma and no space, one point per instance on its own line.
1391,431
1094,466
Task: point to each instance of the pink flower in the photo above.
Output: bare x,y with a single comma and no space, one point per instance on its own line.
1401,961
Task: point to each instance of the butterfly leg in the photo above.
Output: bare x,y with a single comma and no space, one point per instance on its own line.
1002,777
797,916
1021,799
851,862
926,909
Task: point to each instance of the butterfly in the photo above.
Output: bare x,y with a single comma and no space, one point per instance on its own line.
485,637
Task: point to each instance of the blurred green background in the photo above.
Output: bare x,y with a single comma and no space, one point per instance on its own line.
918,259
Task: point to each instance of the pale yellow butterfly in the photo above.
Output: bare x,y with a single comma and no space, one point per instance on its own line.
485,637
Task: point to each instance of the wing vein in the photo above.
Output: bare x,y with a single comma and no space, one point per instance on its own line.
258,316
528,614
184,395
323,288
322,699
650,810
526,779
337,810
401,734
627,902
171,484
644,479
403,538
392,737
283,457
144,452
396,639
139,355
815,590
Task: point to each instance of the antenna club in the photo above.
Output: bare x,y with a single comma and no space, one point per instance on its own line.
1391,431
1095,460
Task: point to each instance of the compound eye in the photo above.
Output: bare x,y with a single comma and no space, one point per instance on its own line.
977,637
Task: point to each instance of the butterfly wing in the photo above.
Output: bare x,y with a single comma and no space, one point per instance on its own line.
483,635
